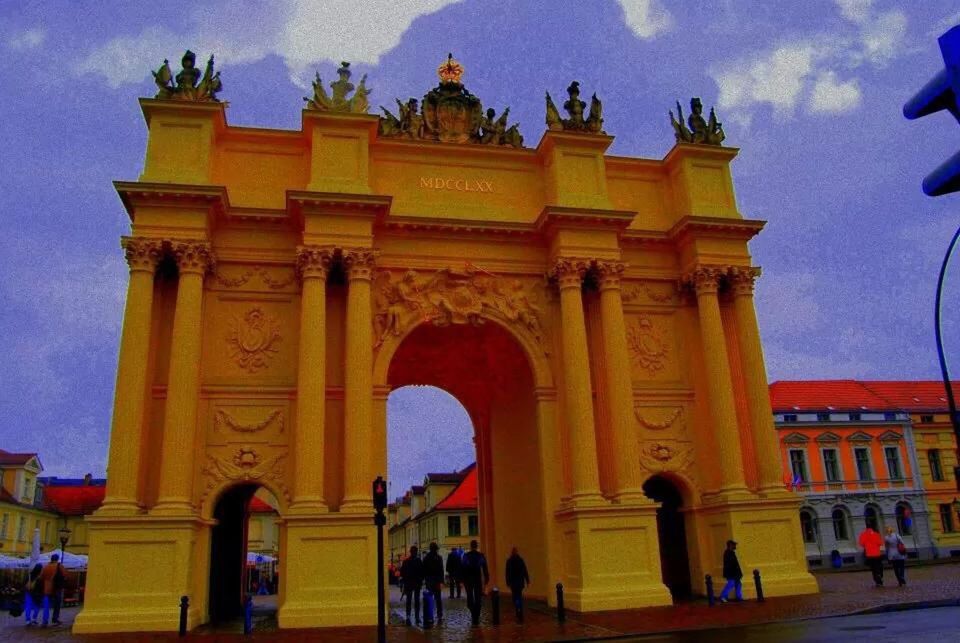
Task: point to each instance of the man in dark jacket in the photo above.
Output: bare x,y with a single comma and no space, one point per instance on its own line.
433,577
411,575
453,570
732,572
517,578
475,576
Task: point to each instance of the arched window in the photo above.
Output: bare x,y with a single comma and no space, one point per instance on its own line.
873,517
904,519
808,526
841,530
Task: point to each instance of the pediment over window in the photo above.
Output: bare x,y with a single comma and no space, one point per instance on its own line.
828,437
796,438
890,436
860,436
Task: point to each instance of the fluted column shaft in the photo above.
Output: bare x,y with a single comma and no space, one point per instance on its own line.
193,258
719,381
313,264
358,381
129,401
578,396
619,381
765,444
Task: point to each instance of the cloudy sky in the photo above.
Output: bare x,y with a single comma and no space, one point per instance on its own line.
811,91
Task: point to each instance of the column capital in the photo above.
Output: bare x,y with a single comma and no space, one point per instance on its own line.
569,271
142,254
705,279
609,274
193,256
742,278
358,263
313,262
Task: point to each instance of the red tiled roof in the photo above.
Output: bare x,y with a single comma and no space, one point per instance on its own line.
924,395
464,496
73,500
823,395
258,506
15,458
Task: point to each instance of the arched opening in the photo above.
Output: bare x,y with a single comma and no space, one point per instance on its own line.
841,524
904,519
487,371
808,526
672,535
872,516
244,553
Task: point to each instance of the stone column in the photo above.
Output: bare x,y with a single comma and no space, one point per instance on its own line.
313,265
578,394
193,258
706,281
129,400
358,381
619,381
765,443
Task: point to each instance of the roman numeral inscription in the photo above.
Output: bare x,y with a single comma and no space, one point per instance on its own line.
457,185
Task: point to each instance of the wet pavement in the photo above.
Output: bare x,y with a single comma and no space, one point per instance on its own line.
775,619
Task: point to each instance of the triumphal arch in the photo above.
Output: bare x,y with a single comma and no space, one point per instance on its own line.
593,313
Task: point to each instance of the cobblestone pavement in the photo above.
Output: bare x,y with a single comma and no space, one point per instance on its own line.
841,593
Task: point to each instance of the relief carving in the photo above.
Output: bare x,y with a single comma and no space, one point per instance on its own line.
253,340
647,346
246,465
633,292
247,275
223,419
657,425
665,455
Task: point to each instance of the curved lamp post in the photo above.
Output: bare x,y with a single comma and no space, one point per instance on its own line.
64,537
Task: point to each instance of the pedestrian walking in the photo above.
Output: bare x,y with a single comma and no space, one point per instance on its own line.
33,595
453,570
475,577
411,576
433,577
872,544
517,579
732,572
896,554
52,577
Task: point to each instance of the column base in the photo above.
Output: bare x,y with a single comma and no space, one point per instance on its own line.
592,545
120,508
357,505
173,508
331,578
308,506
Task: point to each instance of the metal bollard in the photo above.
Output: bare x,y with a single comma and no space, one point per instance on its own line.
561,611
184,604
495,602
248,614
711,599
756,581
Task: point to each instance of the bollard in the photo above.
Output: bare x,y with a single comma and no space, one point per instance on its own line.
248,614
428,606
495,602
756,581
561,611
184,604
710,597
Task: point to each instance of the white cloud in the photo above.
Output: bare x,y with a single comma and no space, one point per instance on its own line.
776,78
831,96
857,11
944,24
883,37
302,32
27,39
647,18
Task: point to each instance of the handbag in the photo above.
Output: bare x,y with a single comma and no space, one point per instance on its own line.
901,548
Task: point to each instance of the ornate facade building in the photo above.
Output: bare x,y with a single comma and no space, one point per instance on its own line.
593,313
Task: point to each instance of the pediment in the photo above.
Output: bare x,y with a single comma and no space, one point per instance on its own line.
828,437
860,436
891,436
796,438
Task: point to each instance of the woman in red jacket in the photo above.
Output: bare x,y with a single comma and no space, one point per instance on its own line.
872,544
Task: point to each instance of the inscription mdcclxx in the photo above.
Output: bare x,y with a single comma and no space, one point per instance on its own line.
459,185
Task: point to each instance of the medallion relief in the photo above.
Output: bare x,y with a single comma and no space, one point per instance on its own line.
665,455
246,465
648,348
253,339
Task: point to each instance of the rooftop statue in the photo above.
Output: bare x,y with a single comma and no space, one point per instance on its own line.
338,102
450,114
574,108
187,87
705,132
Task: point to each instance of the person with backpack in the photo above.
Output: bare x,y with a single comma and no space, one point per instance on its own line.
411,575
475,575
33,595
896,554
52,577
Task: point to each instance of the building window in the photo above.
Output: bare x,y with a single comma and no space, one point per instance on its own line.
946,517
926,419
790,417
22,529
823,417
854,417
453,525
904,520
840,531
808,527
831,465
936,470
892,455
473,527
798,465
872,517
4,526
862,456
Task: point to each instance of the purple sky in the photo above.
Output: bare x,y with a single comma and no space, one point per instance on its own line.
811,92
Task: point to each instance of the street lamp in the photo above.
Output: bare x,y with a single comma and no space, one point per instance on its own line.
64,537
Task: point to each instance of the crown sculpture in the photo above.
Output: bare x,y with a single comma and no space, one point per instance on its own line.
574,107
339,102
187,87
450,114
700,131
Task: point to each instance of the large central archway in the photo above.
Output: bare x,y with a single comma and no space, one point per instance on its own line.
487,370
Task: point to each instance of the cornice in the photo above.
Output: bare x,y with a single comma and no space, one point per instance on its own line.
457,226
357,206
135,193
715,227
154,106
715,152
554,217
